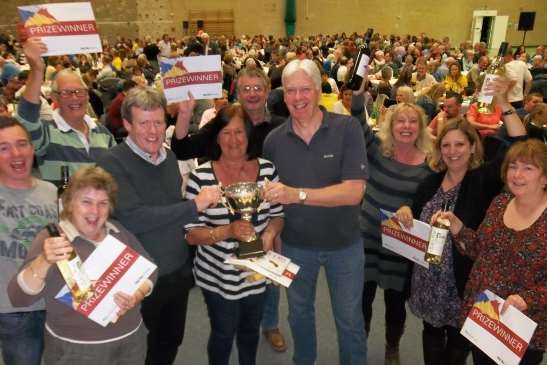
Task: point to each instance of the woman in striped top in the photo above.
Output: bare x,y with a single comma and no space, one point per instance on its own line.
234,302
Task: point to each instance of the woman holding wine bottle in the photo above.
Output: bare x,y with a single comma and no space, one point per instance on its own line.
465,186
509,246
70,337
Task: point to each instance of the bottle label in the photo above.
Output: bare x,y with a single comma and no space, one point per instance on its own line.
59,206
437,239
482,98
78,274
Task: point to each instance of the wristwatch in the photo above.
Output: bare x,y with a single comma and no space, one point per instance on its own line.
508,112
302,196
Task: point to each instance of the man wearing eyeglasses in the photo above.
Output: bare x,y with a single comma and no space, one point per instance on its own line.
72,138
253,87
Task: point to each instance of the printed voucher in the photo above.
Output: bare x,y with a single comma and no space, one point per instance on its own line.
65,28
199,75
409,243
112,267
503,337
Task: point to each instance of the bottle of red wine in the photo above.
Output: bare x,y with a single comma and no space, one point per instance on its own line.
360,68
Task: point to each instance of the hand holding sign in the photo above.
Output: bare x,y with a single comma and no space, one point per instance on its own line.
34,48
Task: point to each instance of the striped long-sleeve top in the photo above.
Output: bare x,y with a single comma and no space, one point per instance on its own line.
57,144
210,271
391,184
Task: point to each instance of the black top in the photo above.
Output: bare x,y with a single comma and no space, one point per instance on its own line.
150,205
196,145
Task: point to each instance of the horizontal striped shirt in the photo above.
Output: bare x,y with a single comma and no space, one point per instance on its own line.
57,144
209,268
391,185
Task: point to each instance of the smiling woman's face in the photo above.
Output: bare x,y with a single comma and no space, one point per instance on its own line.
90,209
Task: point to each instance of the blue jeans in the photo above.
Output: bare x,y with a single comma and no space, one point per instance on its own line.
22,337
270,317
344,269
233,318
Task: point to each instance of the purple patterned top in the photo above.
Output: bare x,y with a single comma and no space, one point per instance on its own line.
434,297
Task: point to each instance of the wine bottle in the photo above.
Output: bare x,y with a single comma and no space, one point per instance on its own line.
437,240
496,68
65,175
73,272
360,69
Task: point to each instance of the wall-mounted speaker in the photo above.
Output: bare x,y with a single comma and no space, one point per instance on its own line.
526,20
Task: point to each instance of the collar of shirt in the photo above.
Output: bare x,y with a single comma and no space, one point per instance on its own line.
71,232
145,155
64,127
324,122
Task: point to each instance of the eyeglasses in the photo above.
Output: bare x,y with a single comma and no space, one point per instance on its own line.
248,88
67,93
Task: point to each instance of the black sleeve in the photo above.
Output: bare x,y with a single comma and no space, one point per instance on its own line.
192,146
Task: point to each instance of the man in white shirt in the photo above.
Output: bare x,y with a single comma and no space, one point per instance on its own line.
517,71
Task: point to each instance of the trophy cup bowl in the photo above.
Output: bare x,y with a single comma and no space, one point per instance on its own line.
244,198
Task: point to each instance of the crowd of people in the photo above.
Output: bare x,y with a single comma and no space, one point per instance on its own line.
412,138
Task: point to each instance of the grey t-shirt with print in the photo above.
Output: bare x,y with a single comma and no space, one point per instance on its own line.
23,213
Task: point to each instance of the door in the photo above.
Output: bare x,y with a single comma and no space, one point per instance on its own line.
477,23
498,33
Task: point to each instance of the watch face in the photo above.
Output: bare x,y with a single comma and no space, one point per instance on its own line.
302,195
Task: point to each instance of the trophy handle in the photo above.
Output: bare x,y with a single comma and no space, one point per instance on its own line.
225,201
263,203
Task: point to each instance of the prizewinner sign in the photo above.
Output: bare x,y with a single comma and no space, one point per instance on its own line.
65,28
503,337
200,75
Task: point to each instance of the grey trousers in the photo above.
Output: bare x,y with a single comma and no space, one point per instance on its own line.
127,351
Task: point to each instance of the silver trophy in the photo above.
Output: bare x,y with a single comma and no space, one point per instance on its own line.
246,199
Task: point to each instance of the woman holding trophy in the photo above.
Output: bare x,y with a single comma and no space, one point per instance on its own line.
234,300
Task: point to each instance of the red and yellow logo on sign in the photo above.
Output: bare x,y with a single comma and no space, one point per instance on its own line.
43,24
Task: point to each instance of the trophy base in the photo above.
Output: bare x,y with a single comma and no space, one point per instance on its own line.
249,250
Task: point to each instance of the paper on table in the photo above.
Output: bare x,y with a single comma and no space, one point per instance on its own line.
409,243
65,28
200,75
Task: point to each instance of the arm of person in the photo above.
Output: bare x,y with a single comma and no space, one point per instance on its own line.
271,233
500,87
139,217
240,230
191,146
184,116
26,287
348,192
468,241
28,111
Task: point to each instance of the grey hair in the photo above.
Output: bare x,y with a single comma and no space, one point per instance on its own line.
63,73
146,98
387,72
308,66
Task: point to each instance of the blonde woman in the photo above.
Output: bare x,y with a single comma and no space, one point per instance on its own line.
398,163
